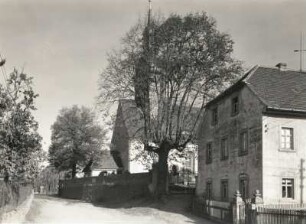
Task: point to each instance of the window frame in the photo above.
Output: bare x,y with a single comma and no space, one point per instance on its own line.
286,190
224,156
214,116
224,182
208,190
235,106
208,152
244,177
245,151
291,137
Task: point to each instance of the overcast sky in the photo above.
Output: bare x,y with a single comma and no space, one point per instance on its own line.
63,43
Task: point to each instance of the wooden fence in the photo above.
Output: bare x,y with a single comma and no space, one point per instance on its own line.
215,210
250,211
277,214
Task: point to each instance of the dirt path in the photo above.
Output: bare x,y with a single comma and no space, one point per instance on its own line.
55,210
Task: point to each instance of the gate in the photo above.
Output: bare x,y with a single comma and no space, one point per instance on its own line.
250,213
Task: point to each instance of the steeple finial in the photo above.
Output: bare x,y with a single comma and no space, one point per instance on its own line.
149,13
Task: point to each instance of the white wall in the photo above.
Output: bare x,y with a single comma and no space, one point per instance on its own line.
278,164
139,160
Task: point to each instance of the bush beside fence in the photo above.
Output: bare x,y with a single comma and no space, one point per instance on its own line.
12,195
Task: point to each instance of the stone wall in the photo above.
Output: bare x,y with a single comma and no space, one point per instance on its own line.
108,188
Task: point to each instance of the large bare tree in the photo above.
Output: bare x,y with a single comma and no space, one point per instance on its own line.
172,67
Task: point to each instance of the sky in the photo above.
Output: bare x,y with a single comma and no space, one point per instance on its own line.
63,44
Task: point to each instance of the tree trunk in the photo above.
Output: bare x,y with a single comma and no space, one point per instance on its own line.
6,177
162,168
73,171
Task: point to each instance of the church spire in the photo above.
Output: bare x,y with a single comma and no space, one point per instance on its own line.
149,12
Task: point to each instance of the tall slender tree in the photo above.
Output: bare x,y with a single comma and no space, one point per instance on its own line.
20,147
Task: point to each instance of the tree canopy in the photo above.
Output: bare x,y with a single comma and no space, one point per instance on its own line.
20,143
172,67
76,137
188,63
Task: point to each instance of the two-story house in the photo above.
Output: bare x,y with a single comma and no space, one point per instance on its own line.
253,137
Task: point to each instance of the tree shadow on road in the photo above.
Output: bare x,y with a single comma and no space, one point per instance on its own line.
168,207
172,204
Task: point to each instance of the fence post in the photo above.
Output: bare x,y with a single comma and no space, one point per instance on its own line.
238,207
252,211
257,199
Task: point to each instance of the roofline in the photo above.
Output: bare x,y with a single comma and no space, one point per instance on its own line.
286,69
237,85
284,111
250,87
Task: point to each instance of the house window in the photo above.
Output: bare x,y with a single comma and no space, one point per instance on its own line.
224,190
243,143
224,148
235,106
244,186
208,189
287,188
287,139
214,116
209,152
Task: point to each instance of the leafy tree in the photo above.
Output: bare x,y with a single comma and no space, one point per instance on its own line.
76,136
20,147
172,67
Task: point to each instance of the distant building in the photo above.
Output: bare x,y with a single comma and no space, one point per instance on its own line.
253,136
128,130
103,164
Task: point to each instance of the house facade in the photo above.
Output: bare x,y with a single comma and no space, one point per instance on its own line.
252,137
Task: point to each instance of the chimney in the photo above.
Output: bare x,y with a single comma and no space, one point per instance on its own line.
281,66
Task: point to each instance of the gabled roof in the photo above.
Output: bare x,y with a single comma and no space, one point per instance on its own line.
132,117
104,161
277,89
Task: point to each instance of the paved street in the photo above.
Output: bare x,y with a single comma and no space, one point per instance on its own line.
55,210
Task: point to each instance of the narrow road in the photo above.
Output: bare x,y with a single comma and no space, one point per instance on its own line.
55,210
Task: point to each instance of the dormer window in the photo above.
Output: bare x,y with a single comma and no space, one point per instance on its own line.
214,116
235,106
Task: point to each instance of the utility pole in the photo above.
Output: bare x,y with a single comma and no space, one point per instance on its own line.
301,51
